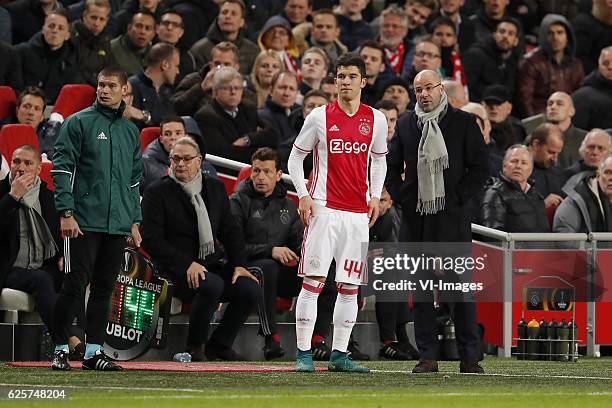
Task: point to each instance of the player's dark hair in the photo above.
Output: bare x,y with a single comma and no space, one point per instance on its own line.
265,154
351,59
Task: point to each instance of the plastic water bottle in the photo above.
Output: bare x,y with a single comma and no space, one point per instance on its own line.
182,357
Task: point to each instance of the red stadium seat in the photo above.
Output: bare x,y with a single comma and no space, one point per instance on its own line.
147,135
13,136
7,101
550,213
45,174
73,98
245,173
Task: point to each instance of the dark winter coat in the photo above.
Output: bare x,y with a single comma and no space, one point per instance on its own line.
507,208
593,103
94,52
467,173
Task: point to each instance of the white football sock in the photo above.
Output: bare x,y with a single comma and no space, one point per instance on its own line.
345,314
306,312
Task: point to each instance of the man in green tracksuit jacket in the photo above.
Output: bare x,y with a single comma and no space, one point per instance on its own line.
96,172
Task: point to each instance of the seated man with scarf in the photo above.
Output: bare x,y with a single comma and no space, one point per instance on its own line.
189,231
30,260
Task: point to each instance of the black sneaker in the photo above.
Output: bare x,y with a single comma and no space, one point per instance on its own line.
214,352
77,353
393,351
321,352
273,349
354,353
100,362
60,361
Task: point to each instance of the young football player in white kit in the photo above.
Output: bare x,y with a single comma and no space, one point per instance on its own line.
345,137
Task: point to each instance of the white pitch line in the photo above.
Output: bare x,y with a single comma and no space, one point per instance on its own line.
569,377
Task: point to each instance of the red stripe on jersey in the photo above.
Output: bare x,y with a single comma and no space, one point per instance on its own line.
348,147
315,166
303,252
300,149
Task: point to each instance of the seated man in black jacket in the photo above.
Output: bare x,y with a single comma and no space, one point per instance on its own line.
30,256
273,235
230,125
511,203
186,219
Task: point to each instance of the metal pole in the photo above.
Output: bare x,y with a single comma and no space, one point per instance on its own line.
508,248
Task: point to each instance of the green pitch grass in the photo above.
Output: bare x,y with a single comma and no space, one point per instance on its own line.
508,383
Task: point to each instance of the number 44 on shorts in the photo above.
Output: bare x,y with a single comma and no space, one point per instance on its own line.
355,267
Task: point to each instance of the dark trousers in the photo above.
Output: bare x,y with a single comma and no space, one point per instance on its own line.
39,283
95,259
391,318
217,288
278,280
326,303
466,330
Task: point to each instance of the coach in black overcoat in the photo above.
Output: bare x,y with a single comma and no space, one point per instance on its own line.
466,174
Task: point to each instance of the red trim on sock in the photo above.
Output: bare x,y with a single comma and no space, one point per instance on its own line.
343,291
311,288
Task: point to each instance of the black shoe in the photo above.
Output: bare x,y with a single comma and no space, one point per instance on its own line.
354,353
410,351
77,353
214,352
320,352
273,349
60,361
471,367
197,353
100,362
393,351
426,366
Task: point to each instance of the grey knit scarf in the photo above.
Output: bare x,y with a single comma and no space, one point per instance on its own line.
44,246
193,189
432,159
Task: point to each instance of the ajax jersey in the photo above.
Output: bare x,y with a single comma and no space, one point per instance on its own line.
341,146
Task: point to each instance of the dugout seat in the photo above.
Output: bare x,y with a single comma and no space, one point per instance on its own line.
244,174
14,135
148,135
45,174
73,98
7,101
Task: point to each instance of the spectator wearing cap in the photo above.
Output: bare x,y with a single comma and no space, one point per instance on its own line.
560,111
506,130
593,100
228,26
276,36
494,61
397,91
551,67
354,30
545,143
